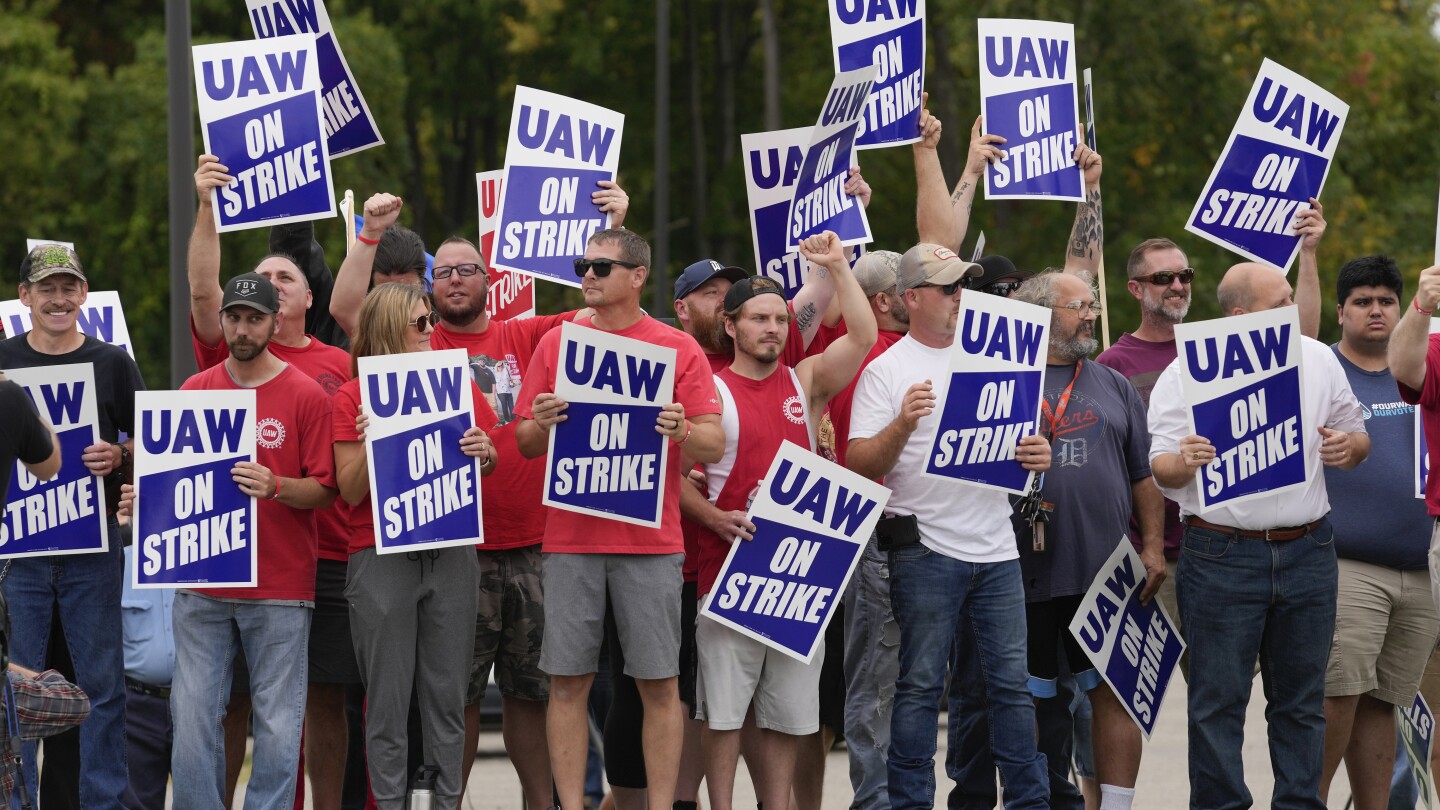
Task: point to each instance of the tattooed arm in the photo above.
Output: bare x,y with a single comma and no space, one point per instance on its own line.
984,149
1087,237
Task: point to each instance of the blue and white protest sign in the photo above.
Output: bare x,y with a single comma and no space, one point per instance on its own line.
559,148
1240,377
1027,96
997,377
349,126
819,202
1422,457
101,317
260,113
193,524
424,491
1417,732
1135,647
66,514
812,520
1277,158
1089,111
889,34
606,459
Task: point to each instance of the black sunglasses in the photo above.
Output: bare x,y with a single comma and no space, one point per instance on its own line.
465,270
601,267
428,319
1002,288
1164,279
948,289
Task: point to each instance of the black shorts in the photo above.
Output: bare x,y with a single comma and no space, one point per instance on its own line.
832,675
332,655
689,657
1049,622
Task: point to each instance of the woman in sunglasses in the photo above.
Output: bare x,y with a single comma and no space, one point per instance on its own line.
407,611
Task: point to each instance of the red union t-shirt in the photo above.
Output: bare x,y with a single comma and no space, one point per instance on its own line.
347,409
292,439
330,368
571,532
500,357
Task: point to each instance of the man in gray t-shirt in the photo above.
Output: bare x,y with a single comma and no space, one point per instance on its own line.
1099,477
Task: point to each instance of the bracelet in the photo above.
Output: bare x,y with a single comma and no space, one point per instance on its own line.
360,237
276,493
1416,302
689,428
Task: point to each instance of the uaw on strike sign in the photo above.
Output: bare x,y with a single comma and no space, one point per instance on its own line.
66,514
1241,381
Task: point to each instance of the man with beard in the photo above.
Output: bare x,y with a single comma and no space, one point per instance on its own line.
1258,578
84,588
1098,479
292,477
332,664
511,618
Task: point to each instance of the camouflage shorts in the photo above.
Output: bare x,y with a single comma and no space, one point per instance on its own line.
510,625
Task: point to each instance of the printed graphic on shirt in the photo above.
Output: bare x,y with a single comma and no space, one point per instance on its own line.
499,381
1081,428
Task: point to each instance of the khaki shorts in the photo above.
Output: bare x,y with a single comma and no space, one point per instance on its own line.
510,625
1385,631
738,673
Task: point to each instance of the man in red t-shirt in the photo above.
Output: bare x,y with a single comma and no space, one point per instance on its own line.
511,618
594,561
293,476
332,659
765,403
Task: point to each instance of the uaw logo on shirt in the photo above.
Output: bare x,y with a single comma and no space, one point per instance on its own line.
269,433
794,409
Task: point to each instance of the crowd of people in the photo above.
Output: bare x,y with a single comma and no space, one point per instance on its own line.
358,668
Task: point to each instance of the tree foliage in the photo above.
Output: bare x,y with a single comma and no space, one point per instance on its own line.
83,92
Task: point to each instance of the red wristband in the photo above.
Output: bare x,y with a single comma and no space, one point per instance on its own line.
1416,302
276,493
360,237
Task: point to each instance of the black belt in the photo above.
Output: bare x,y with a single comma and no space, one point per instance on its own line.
1283,534
146,689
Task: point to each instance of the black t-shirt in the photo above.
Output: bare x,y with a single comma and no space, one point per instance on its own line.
22,435
117,378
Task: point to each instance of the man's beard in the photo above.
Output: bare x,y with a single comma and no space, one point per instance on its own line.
244,349
709,332
1076,347
460,314
763,352
1157,309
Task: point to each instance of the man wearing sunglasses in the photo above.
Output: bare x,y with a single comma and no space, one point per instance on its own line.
999,276
639,566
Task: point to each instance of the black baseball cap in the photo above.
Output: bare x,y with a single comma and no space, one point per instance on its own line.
701,272
749,287
996,268
251,290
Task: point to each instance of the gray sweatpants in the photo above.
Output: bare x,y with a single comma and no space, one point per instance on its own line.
412,617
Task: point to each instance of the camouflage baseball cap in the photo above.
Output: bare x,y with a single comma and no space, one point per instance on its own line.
48,260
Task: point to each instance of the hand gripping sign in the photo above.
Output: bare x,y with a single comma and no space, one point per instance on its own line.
606,459
101,317
812,520
1027,95
512,295
997,375
889,34
559,148
193,525
1240,377
820,203
349,126
424,491
1135,647
1277,158
260,113
65,515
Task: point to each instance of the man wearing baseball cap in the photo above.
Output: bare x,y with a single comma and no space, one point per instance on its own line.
292,477
999,276
84,588
951,547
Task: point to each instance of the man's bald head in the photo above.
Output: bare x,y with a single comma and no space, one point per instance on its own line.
1251,287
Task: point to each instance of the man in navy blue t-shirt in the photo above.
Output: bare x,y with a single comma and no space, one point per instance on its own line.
1385,621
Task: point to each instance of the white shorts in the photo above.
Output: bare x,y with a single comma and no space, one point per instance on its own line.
737,673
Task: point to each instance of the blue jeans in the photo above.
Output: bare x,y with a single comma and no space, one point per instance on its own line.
275,639
933,597
87,589
872,663
1241,598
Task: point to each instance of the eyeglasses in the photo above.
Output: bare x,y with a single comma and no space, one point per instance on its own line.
465,271
426,321
948,289
1002,288
1163,279
601,267
1079,307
